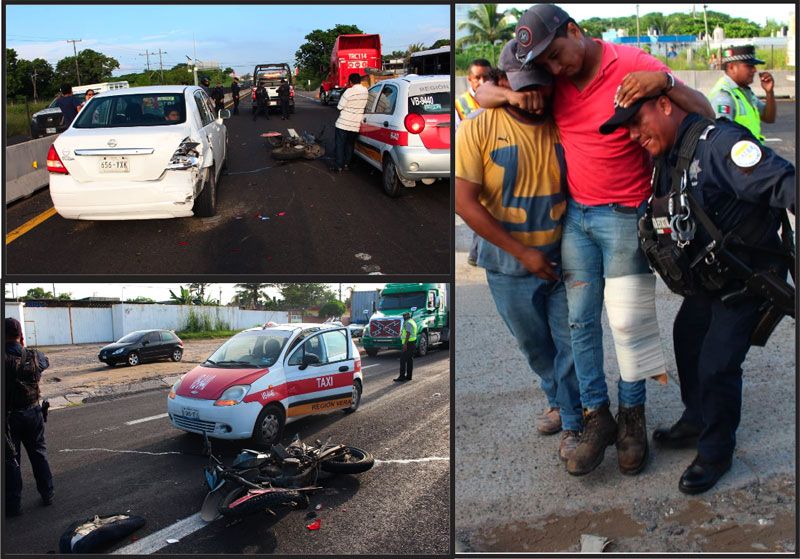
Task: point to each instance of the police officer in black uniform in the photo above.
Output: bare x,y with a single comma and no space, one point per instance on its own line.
235,89
711,232
218,95
23,371
262,101
284,92
205,84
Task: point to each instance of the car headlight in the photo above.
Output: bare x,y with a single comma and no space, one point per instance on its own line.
173,391
118,351
232,395
186,156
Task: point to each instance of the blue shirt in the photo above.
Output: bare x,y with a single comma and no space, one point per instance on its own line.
69,108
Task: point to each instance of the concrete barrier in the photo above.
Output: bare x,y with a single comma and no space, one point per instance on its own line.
26,165
704,80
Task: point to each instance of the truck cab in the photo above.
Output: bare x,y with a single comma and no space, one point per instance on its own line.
351,53
428,305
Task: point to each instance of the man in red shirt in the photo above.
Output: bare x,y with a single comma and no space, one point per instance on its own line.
608,186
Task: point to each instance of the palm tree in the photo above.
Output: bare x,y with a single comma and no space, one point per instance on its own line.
251,293
486,25
185,298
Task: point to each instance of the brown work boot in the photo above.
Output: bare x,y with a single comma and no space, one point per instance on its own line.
599,431
549,422
632,448
569,442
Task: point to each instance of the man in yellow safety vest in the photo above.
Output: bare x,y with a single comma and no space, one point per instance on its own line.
732,97
408,336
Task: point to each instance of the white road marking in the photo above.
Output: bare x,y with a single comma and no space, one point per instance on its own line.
414,460
157,540
368,366
151,418
772,140
118,451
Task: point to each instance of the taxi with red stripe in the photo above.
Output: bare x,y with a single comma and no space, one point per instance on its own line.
263,378
405,132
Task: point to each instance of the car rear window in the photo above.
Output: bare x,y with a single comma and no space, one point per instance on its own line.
429,99
122,111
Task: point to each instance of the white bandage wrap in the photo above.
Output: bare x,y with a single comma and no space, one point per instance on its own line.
631,306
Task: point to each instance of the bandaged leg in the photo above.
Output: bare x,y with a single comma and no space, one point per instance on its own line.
631,306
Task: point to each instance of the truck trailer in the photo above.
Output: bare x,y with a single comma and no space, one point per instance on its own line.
351,54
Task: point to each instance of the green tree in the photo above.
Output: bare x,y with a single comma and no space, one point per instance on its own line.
13,83
250,294
37,293
45,82
94,67
486,25
440,43
332,309
313,57
140,299
64,297
185,297
304,295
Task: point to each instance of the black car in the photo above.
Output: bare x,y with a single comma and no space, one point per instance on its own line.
142,345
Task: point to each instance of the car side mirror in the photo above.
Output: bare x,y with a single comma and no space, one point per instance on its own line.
309,359
225,113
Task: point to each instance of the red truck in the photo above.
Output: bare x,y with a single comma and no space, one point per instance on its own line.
351,53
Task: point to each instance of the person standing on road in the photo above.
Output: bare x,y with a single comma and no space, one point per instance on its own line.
262,101
731,188
68,104
218,95
284,93
732,98
519,219
608,186
408,337
205,83
23,371
351,111
235,89
86,98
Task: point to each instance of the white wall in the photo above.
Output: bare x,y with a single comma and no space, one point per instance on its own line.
44,326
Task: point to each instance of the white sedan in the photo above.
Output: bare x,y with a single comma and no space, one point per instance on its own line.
140,153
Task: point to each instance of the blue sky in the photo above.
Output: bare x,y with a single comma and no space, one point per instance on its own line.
238,36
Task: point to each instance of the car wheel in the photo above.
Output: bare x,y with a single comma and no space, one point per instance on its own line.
269,426
391,182
177,354
372,351
133,359
206,203
422,344
356,397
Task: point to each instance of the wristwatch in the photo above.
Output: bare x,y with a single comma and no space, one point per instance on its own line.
670,83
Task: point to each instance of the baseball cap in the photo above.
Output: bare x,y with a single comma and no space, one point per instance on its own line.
744,53
536,30
13,328
519,75
621,115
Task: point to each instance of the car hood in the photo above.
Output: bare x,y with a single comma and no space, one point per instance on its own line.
208,383
48,111
116,345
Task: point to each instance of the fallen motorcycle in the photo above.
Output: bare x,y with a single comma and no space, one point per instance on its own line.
294,146
282,477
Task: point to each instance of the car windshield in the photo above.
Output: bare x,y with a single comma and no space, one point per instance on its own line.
130,338
143,109
254,349
429,99
402,301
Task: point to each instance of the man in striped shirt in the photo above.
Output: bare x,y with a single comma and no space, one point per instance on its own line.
351,112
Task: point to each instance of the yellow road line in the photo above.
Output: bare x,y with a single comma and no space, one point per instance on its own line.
27,226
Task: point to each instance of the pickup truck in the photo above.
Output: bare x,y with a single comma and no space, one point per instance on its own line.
271,75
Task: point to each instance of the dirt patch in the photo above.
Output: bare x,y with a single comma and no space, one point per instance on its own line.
759,517
75,369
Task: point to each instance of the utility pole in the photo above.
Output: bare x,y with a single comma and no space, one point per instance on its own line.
75,50
638,34
147,54
708,39
33,79
161,64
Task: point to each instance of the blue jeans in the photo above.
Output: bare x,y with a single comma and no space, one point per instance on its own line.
345,141
598,242
535,310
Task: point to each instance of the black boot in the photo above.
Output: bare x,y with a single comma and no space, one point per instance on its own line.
701,475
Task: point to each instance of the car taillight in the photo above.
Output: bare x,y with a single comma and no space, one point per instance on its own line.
54,163
185,156
414,123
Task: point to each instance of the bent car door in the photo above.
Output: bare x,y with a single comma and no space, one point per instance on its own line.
323,386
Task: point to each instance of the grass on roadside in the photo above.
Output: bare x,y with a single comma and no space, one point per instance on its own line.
206,334
17,120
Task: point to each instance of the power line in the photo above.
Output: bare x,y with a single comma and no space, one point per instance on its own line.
147,54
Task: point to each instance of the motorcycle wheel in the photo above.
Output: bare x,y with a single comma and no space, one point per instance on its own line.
275,141
352,461
287,153
259,502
